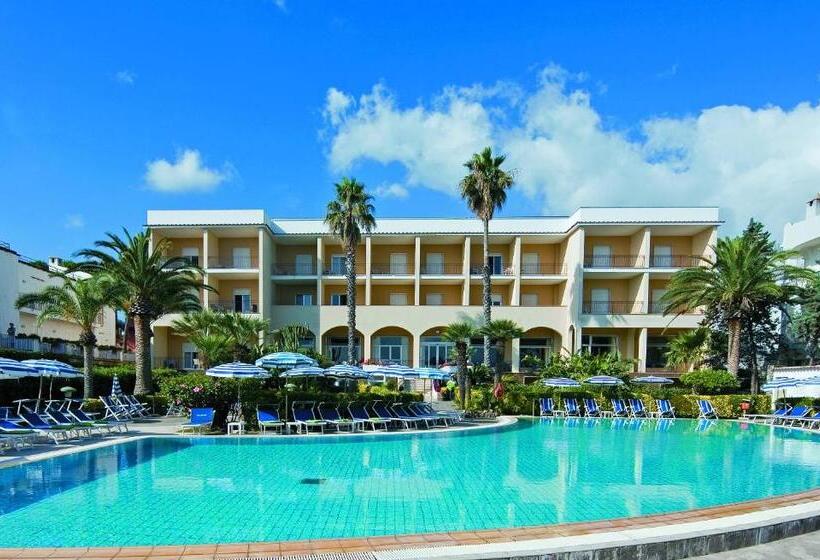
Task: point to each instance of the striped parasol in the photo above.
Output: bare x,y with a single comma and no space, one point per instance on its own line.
395,370
603,380
810,381
345,371
781,383
285,360
303,371
238,370
52,369
12,369
116,390
653,380
433,373
560,382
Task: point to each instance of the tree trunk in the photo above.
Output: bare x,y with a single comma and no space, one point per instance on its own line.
142,354
487,286
351,305
733,356
461,359
754,373
88,370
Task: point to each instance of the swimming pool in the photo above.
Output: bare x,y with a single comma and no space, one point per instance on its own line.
168,490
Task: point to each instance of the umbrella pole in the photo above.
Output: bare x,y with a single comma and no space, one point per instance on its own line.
39,395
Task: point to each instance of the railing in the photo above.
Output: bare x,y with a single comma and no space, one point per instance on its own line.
231,306
181,261
674,261
612,307
656,307
543,269
36,345
341,269
478,270
614,261
442,269
377,361
391,269
232,262
294,269
34,306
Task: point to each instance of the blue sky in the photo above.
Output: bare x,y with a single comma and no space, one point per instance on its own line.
111,108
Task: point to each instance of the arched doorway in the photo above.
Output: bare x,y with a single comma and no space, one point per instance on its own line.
334,345
435,351
536,346
392,345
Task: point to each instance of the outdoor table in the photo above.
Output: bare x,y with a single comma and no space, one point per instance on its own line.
236,428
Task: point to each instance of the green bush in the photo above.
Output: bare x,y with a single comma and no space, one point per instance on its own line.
726,406
710,381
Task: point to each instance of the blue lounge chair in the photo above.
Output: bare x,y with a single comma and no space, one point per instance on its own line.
60,419
330,414
55,433
811,422
571,407
114,409
401,416
591,408
268,418
619,408
304,418
665,408
359,412
547,406
80,415
637,409
768,418
797,413
706,410
201,419
447,416
16,434
427,414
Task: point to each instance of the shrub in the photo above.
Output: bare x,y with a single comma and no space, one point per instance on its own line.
710,381
726,406
583,364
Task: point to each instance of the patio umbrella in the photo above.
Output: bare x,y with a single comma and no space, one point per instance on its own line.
285,360
51,369
432,374
238,371
808,381
560,382
12,369
603,380
449,369
653,380
345,371
395,370
782,383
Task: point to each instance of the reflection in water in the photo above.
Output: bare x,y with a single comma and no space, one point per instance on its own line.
547,471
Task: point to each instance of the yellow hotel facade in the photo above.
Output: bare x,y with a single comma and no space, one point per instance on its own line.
590,281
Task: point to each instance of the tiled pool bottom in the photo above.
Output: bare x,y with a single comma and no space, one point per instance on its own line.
165,491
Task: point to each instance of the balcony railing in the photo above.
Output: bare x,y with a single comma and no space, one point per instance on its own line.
189,260
614,261
340,269
442,269
232,262
391,269
232,306
674,261
613,307
477,270
543,269
294,269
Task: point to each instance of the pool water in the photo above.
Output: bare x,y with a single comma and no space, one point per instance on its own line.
214,490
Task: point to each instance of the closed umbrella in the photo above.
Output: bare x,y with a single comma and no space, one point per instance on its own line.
51,369
238,371
285,360
116,390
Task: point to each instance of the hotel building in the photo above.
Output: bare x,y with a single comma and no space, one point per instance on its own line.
590,281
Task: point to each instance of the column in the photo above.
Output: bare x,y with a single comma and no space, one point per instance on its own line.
417,298
642,336
416,349
515,355
205,256
263,279
367,253
320,266
465,292
516,263
365,344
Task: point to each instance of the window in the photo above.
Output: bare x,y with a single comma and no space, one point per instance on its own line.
398,298
304,264
662,256
496,264
530,264
391,349
241,257
435,351
338,299
656,349
398,263
242,301
190,356
495,299
435,263
601,256
338,266
476,352
657,297
599,300
434,299
337,346
304,299
191,254
529,300
599,344
540,348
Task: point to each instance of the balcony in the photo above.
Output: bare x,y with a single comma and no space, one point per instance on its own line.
234,306
391,269
294,269
674,261
477,270
543,269
442,269
613,307
233,262
340,269
614,261
184,261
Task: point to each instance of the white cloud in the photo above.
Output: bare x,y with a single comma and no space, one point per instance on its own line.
125,77
760,162
281,4
392,190
74,221
187,173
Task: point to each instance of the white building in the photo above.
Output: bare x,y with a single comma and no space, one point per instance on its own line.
804,236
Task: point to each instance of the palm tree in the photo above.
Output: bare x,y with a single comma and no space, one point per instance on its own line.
347,215
688,348
152,285
81,301
744,273
499,332
485,190
460,334
242,331
288,338
206,330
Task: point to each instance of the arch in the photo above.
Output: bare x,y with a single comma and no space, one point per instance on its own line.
434,351
539,342
334,344
392,345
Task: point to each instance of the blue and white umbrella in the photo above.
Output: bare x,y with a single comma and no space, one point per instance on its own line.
345,371
781,383
303,371
12,369
52,369
603,380
116,390
560,382
285,360
240,371
434,374
810,381
449,369
653,380
395,370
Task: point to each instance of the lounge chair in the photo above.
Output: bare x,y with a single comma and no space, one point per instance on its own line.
304,418
591,408
359,412
619,408
82,416
706,410
114,409
448,416
811,422
330,414
17,433
268,418
428,415
401,417
571,407
60,419
665,408
55,433
201,419
797,413
769,418
637,409
547,406
139,408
